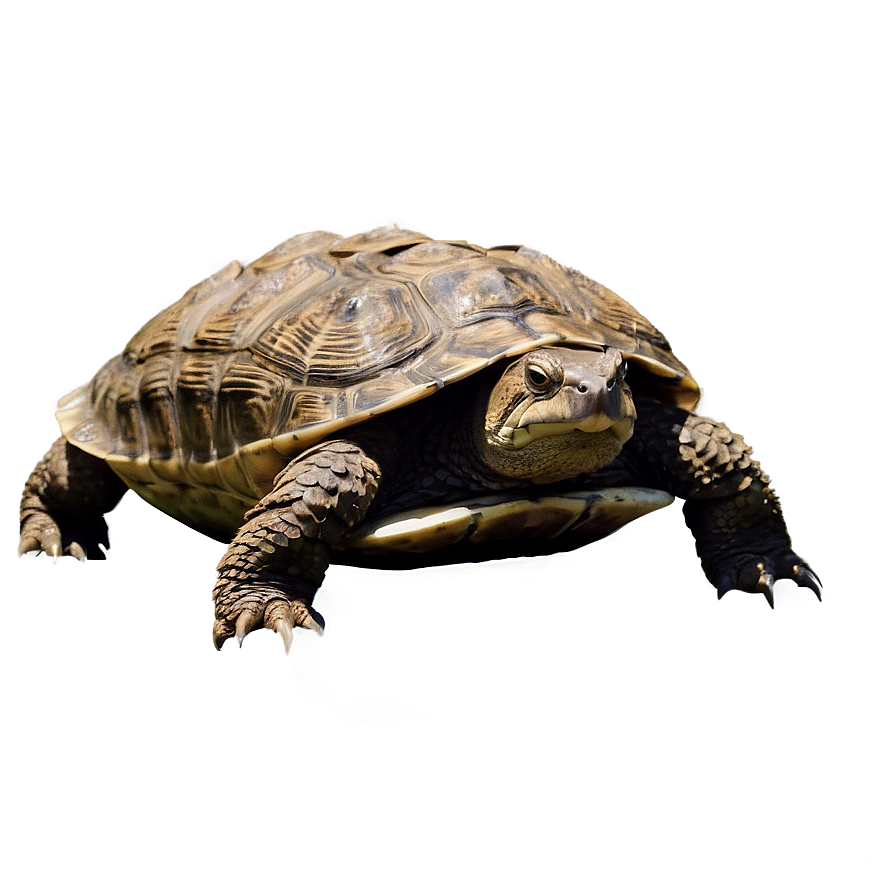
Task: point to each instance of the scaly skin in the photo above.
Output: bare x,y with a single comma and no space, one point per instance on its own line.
278,558
731,510
63,502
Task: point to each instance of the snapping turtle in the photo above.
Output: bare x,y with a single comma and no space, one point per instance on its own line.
390,400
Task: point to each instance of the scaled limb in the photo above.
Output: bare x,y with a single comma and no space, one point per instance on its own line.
270,573
730,508
743,542
63,502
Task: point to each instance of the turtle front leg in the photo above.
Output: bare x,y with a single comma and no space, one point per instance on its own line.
278,558
734,515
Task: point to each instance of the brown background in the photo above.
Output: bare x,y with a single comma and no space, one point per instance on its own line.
588,723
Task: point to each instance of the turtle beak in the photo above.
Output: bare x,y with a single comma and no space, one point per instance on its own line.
622,428
593,397
600,403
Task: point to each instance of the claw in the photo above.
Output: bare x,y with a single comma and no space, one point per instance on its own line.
310,623
726,584
221,632
766,585
27,544
284,629
302,615
52,546
247,621
805,577
279,618
75,550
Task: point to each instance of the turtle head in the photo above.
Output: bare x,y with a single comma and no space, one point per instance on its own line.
558,412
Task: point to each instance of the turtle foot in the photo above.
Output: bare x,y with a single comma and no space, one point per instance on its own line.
83,538
253,610
758,574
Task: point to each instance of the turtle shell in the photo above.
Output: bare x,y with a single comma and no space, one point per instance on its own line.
215,395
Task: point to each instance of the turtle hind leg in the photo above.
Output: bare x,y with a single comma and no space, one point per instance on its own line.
63,502
276,562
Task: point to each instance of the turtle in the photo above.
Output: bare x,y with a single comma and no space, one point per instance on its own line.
390,400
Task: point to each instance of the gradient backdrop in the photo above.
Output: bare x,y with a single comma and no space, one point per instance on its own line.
582,724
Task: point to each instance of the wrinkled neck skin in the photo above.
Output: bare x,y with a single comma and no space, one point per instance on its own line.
432,447
487,435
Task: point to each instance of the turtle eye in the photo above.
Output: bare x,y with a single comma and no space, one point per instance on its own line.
537,378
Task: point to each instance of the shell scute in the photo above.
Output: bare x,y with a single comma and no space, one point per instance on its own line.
174,327
480,289
347,333
306,405
380,239
197,388
249,400
296,247
424,257
159,414
237,324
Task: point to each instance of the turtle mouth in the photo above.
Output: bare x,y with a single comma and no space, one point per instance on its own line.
518,437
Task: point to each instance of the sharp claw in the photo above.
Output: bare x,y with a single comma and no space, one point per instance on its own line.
726,584
220,633
766,586
310,623
805,577
284,629
53,547
307,617
245,623
27,544
75,550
